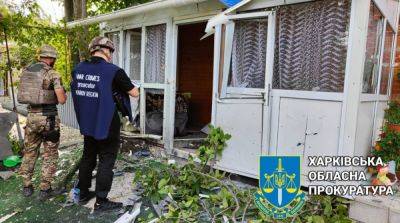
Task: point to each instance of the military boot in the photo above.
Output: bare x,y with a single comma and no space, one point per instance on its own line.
45,194
86,196
103,204
27,191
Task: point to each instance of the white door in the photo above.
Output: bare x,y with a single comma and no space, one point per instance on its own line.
242,108
145,60
307,92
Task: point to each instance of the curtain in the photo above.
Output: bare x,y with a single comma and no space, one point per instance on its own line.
155,54
311,45
135,56
248,54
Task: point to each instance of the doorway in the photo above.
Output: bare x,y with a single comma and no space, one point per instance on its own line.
194,78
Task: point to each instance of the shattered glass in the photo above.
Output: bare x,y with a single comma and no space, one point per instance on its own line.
371,64
386,60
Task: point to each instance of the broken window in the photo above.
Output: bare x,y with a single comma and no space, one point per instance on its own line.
311,46
386,60
134,57
249,54
373,50
155,54
154,119
244,55
114,37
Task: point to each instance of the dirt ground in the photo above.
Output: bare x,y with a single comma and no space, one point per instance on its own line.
16,208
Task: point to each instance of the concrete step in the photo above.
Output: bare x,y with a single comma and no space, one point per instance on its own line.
375,209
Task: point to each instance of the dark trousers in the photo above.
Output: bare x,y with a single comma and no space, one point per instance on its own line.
106,150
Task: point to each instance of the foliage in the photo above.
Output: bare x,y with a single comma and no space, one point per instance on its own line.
96,7
16,145
388,147
195,195
392,114
27,29
213,145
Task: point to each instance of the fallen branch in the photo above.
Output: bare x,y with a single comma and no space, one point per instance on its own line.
233,217
130,217
245,209
206,209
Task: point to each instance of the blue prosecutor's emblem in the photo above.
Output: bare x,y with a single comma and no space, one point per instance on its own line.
279,195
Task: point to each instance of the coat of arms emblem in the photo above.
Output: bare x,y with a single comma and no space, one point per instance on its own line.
279,194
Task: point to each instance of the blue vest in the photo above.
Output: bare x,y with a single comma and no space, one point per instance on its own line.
92,93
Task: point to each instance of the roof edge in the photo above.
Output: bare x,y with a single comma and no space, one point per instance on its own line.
137,9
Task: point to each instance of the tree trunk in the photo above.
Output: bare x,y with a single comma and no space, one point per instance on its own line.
80,12
84,37
83,9
77,9
69,10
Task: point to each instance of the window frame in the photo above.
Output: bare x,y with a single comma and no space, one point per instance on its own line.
127,61
230,92
119,46
376,72
391,60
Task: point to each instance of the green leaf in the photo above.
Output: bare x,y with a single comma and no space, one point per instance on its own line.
189,203
317,219
162,183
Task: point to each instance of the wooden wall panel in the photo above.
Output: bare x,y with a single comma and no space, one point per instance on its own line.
195,71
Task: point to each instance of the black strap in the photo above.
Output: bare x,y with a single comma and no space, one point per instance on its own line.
52,121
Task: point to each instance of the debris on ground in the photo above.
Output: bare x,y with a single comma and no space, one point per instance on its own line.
130,216
141,153
152,187
56,209
67,166
6,217
5,175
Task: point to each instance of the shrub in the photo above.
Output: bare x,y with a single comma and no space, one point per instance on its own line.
392,114
16,145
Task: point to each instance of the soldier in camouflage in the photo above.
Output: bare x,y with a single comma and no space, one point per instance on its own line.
43,126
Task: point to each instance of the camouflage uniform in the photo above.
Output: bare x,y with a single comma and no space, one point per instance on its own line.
43,126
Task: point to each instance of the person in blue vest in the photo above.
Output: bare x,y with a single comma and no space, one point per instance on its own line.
99,90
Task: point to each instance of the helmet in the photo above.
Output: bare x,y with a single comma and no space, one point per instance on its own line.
101,42
47,51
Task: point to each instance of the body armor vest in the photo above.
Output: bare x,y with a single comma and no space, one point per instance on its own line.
32,89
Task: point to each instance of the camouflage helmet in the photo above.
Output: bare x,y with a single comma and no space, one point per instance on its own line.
47,51
101,42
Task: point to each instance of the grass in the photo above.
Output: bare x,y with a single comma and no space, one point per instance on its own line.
32,210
